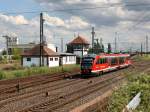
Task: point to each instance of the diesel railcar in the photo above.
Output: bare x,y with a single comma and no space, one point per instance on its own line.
98,64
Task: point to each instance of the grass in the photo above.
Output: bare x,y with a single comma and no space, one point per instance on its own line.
121,97
36,71
142,58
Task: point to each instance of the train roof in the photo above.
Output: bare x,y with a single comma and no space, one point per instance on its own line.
107,55
114,55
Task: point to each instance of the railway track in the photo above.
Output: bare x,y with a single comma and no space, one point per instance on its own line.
36,82
74,95
39,91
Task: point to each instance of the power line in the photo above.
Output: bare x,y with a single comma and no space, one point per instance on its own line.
139,21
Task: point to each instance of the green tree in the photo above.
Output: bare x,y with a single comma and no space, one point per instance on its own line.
4,52
16,53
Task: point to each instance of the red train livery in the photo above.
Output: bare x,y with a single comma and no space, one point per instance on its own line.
98,64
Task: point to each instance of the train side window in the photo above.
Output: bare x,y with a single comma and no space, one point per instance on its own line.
101,61
105,60
121,60
113,61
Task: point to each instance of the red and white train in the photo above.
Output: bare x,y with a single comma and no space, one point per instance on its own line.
99,64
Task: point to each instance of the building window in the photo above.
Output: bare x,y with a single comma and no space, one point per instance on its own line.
56,59
28,59
51,59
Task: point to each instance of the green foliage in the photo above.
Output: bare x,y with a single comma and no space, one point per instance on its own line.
142,58
16,54
4,59
36,71
4,52
121,97
1,58
1,75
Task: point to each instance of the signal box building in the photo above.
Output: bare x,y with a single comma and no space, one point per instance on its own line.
79,46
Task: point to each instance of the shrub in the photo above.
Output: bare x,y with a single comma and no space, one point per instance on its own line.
123,96
35,71
1,75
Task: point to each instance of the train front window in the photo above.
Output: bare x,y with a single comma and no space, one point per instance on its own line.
86,62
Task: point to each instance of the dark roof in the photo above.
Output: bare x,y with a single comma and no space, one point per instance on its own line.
67,54
79,40
35,51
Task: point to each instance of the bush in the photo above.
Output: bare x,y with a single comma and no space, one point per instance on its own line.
35,71
1,75
124,95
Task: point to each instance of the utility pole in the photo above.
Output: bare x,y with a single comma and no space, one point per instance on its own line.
115,42
62,45
41,40
93,34
141,49
82,50
147,45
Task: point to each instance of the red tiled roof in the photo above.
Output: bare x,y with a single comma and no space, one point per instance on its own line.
35,51
79,40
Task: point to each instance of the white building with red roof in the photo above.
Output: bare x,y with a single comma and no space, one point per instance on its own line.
51,58
32,57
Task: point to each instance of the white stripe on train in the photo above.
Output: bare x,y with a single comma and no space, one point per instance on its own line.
110,68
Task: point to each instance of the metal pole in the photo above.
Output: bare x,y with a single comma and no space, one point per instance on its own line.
62,45
147,45
141,49
93,34
82,50
115,42
41,37
42,21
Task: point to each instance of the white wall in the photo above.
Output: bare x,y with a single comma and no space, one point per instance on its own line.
34,61
69,60
54,62
79,53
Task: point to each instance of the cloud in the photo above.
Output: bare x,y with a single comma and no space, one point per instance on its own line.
72,23
14,19
53,21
